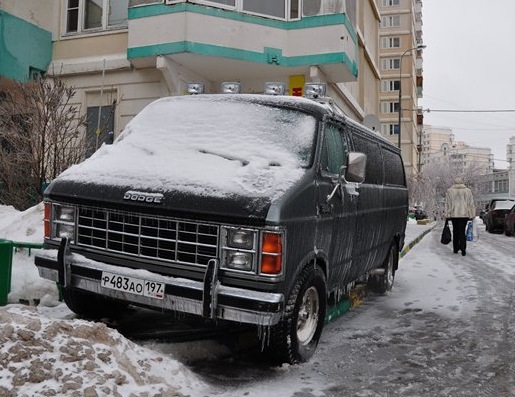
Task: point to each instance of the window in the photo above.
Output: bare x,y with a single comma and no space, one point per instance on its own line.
390,3
374,167
390,42
98,129
391,21
389,107
280,9
274,8
389,85
231,3
393,169
390,63
88,15
334,150
390,129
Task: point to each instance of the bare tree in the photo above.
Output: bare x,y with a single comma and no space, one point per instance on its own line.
429,187
41,135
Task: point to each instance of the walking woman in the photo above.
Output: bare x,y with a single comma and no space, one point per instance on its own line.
459,208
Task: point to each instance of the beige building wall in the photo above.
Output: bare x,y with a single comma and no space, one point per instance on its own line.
401,63
95,62
362,96
39,12
438,144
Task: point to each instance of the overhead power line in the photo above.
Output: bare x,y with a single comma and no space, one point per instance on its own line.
470,111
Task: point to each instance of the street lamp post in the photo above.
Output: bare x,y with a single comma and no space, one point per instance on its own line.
419,47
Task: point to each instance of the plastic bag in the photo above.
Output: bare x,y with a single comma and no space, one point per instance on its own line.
446,234
470,237
475,229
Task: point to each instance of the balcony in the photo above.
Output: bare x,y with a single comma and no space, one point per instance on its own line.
217,44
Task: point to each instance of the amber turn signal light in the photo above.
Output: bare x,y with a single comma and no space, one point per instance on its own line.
271,253
46,220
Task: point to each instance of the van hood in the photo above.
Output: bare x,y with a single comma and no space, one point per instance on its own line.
233,208
209,146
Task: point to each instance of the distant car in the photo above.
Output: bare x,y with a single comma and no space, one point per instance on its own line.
509,223
494,218
420,213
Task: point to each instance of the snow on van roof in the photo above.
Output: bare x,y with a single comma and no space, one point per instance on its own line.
207,145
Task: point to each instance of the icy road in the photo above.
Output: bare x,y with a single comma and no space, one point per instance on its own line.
446,329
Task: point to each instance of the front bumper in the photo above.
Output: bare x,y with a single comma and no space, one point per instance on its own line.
209,299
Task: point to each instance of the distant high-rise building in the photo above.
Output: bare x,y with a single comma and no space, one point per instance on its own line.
438,144
401,76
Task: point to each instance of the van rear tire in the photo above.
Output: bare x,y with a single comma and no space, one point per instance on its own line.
295,338
384,282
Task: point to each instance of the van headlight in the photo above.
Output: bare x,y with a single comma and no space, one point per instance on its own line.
239,249
257,252
241,238
63,222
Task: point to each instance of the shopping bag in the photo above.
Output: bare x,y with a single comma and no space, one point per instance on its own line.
475,230
470,237
446,234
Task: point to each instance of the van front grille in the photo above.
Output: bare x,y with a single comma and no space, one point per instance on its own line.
145,236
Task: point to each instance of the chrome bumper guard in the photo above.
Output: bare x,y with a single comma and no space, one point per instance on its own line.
208,299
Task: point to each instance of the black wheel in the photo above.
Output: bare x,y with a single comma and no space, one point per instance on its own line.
383,283
91,306
295,338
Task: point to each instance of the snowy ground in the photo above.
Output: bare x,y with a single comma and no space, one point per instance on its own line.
46,351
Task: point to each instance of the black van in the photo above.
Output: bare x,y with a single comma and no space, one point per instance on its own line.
247,208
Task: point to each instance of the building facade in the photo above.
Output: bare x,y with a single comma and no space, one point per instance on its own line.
25,42
510,157
401,70
438,144
120,55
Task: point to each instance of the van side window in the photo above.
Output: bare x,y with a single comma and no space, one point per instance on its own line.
374,170
393,169
334,150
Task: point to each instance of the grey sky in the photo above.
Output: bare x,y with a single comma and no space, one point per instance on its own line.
469,64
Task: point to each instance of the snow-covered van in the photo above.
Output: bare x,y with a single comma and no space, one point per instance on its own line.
253,209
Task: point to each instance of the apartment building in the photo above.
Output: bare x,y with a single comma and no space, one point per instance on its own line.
26,42
439,144
120,55
510,157
401,71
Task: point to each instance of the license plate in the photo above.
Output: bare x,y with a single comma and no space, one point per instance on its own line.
133,285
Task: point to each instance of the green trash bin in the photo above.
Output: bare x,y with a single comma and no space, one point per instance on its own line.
6,258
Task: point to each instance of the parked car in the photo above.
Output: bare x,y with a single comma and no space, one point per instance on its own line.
494,218
252,209
509,222
420,213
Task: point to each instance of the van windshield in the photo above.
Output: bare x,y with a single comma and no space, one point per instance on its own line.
231,129
208,145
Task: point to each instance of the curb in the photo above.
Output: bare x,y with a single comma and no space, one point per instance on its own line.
408,247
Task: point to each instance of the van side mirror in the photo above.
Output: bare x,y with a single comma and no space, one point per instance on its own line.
356,166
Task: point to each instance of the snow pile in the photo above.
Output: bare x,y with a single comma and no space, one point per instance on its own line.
25,226
47,357
46,351
206,146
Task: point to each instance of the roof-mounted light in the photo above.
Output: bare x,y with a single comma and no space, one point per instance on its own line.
231,88
275,88
195,88
315,90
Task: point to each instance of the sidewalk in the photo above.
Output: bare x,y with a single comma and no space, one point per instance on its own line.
415,233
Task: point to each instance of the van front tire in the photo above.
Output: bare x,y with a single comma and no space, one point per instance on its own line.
295,338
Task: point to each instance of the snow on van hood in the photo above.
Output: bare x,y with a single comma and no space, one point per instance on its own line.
205,145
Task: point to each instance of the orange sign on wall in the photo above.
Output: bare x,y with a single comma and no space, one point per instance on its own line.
296,85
